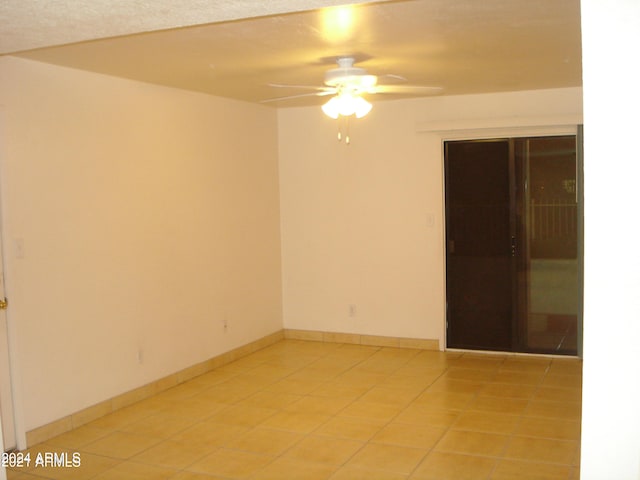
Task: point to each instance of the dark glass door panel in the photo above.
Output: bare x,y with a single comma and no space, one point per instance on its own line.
479,270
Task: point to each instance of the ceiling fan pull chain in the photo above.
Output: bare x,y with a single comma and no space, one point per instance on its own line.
347,139
343,125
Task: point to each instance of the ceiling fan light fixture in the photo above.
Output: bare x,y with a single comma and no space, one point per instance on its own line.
332,108
362,107
346,105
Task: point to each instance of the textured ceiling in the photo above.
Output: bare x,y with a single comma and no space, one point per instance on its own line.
463,46
29,24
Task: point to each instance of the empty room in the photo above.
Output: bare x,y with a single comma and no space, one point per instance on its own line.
318,240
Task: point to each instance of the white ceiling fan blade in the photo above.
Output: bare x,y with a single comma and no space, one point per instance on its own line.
391,78
301,95
408,89
305,87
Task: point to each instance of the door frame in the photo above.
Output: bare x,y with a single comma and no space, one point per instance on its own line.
5,290
464,133
7,411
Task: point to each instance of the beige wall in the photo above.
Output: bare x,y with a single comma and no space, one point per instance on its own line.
147,216
362,224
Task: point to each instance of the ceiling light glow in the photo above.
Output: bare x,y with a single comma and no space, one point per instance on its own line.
337,23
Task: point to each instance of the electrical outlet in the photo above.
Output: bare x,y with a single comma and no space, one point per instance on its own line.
431,220
18,247
140,356
352,310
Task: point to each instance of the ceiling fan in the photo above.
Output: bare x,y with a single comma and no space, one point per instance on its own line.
347,84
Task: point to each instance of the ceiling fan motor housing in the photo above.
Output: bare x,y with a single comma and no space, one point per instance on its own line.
348,77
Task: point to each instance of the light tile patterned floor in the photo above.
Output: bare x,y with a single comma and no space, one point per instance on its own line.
307,410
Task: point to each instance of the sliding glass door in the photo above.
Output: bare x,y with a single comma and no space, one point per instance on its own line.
513,240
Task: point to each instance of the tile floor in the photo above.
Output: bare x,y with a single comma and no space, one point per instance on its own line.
309,410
